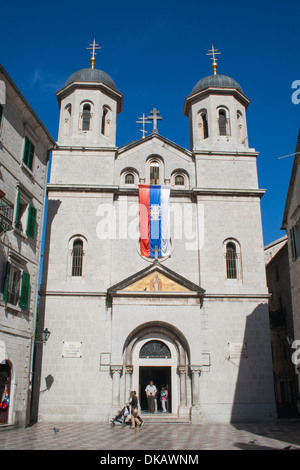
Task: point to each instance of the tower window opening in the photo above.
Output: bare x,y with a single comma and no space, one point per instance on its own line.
222,122
86,117
77,258
205,125
231,261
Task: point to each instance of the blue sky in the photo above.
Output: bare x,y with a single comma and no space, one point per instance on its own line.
156,52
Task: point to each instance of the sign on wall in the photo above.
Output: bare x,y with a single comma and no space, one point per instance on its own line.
72,349
237,350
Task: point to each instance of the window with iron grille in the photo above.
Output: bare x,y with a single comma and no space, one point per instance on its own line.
179,180
231,261
77,258
155,349
129,178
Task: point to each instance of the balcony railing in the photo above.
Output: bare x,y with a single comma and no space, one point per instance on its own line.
6,215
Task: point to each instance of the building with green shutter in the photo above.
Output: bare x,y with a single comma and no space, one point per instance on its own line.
291,224
24,156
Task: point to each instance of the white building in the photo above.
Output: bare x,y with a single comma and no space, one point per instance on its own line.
196,321
25,144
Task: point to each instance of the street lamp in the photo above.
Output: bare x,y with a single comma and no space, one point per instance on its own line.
45,336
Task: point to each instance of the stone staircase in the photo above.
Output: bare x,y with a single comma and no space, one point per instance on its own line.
161,418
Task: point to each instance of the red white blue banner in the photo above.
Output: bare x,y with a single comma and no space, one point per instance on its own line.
154,203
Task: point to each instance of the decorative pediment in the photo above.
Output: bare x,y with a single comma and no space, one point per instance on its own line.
156,280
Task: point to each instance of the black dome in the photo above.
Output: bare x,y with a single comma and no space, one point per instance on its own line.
91,75
219,81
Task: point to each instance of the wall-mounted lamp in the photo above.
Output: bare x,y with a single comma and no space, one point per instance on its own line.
45,336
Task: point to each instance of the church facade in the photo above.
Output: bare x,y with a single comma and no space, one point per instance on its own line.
194,321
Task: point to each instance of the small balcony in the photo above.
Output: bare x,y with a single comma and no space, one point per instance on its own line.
6,215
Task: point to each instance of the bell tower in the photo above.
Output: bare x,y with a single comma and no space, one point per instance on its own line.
89,103
216,109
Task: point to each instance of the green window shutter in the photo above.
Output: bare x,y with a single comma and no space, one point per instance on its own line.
17,208
25,289
1,113
28,153
31,223
293,244
6,282
31,154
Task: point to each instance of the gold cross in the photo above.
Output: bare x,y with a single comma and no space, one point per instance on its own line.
213,52
143,121
93,58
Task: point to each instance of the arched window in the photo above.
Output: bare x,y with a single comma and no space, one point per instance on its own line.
204,125
129,178
240,125
77,257
105,122
155,349
231,261
179,180
86,117
222,122
154,172
67,119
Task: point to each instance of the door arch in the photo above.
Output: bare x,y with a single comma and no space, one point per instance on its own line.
178,359
5,385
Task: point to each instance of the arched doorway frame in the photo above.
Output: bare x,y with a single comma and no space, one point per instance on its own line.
180,352
11,388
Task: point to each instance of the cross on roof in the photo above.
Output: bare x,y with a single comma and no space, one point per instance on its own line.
94,46
213,52
154,116
143,121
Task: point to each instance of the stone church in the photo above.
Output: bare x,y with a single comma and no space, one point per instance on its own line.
194,320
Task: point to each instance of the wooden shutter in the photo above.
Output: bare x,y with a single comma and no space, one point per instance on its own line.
31,223
17,209
293,244
6,282
28,153
25,289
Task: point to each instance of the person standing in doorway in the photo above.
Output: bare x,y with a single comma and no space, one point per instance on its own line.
151,392
164,399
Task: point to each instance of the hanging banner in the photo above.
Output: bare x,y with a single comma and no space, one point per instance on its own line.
154,201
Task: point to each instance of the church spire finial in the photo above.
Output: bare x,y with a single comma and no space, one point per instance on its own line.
94,46
213,52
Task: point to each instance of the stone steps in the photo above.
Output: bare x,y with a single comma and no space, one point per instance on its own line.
6,427
161,418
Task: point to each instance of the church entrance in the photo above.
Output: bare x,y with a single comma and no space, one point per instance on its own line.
161,377
5,381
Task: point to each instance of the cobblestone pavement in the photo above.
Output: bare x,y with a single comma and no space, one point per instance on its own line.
158,437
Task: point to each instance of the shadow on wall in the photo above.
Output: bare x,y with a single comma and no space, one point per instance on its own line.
254,399
53,206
